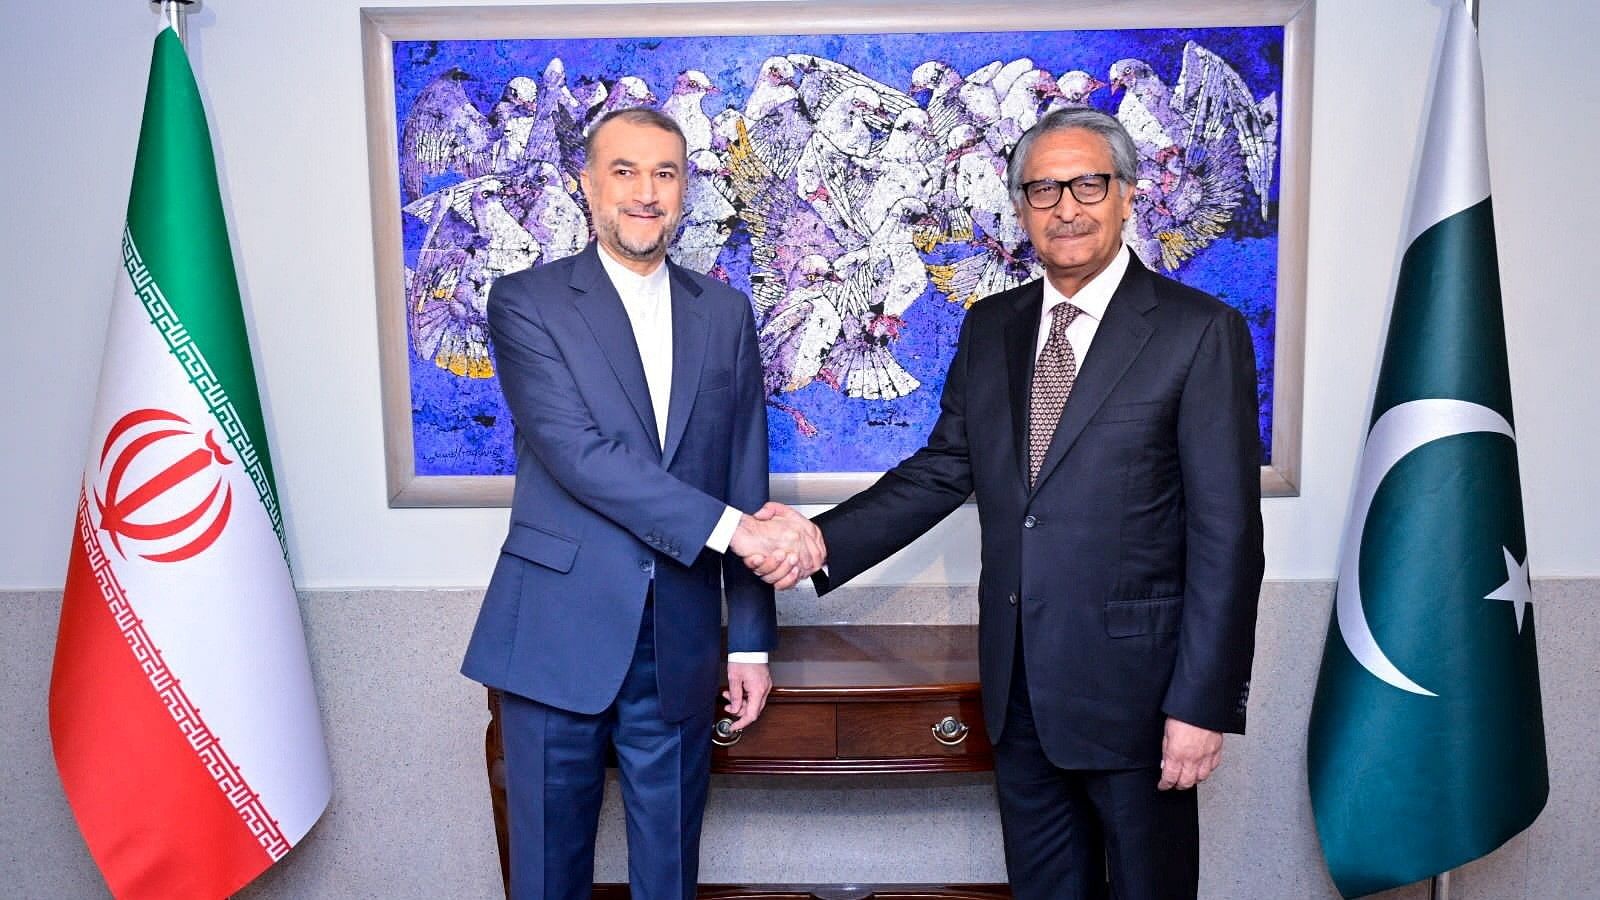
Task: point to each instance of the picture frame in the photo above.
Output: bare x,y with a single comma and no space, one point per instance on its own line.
384,28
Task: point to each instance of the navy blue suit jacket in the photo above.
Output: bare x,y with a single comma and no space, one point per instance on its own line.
1136,562
601,507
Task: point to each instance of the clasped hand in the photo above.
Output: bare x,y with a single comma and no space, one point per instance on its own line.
779,545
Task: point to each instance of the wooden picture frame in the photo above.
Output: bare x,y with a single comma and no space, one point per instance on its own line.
383,27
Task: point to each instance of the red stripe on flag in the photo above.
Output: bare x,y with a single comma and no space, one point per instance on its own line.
156,819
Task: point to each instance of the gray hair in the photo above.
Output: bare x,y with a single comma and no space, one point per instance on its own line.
648,116
1124,158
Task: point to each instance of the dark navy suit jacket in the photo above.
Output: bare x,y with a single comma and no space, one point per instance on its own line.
601,508
1136,562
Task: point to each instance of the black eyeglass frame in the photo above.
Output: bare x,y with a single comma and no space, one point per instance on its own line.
1065,186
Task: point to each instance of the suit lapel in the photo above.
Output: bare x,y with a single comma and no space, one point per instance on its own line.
689,334
1121,335
601,307
1021,336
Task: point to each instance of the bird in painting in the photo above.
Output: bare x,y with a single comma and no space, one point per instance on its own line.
1191,178
443,132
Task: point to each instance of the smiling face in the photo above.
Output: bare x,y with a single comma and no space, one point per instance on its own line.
1074,241
634,183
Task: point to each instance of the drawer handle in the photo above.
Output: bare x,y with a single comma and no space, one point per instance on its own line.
723,735
950,731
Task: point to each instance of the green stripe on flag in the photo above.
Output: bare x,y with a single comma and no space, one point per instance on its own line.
177,230
1447,336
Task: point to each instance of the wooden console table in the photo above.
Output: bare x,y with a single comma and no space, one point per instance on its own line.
846,699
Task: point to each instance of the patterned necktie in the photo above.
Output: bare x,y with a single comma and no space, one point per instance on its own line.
1053,376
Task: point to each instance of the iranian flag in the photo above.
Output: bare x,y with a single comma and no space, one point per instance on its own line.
182,712
1426,746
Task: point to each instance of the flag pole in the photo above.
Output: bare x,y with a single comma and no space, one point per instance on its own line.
176,13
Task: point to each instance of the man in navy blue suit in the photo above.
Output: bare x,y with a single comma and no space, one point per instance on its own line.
1104,417
641,443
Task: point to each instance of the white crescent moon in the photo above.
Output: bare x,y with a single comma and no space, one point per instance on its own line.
1397,432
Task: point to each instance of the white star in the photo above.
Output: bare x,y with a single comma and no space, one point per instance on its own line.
1516,591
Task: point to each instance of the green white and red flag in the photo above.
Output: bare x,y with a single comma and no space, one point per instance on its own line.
182,712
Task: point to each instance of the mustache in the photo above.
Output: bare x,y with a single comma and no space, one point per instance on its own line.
1075,228
642,209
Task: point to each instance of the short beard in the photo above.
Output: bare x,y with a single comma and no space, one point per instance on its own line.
645,252
640,252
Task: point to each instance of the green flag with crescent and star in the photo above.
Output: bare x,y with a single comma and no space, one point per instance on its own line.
1426,745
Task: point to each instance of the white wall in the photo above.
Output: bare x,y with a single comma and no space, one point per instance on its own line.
283,85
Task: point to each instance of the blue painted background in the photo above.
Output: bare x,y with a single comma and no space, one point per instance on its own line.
461,426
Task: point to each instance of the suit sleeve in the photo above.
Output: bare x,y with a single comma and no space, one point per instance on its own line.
1219,454
665,513
752,613
912,497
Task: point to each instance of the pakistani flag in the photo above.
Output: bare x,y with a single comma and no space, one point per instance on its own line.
182,713
1426,746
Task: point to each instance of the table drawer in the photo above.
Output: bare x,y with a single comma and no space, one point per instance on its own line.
787,731
905,729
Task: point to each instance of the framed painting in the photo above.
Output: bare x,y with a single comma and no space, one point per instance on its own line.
846,170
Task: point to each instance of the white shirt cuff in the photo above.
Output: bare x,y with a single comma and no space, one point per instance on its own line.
722,535
749,656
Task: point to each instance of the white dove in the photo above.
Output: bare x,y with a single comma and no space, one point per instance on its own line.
707,215
683,105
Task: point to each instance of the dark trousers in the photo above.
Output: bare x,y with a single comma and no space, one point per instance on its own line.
1066,830
555,780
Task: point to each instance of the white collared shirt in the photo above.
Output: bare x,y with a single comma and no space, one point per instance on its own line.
647,299
1092,299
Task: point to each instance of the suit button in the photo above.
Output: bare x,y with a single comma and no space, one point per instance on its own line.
644,565
1012,599
1029,522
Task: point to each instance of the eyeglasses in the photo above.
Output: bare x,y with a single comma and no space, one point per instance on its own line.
1045,193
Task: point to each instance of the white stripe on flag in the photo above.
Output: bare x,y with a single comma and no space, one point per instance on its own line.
1455,158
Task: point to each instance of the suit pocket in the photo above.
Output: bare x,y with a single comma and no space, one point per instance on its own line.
1131,618
1127,412
545,548
715,380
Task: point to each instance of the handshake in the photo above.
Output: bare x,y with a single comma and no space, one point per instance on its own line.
780,545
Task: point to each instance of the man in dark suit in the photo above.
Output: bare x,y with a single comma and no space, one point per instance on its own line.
1105,418
641,435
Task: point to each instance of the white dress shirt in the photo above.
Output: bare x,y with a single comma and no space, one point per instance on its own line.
1091,299
648,301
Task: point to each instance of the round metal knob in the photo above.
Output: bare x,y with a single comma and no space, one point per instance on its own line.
723,735
950,731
